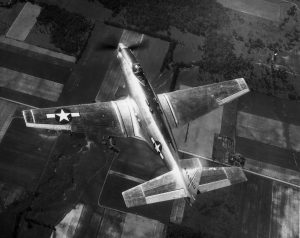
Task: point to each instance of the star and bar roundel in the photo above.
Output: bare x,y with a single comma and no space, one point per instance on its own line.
157,147
62,115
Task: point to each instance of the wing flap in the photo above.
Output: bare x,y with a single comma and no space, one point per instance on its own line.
220,177
183,106
161,188
176,194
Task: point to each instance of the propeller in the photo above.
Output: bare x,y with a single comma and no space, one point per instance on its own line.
111,43
139,46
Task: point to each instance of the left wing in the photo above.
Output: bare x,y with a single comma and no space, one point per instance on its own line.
183,106
115,118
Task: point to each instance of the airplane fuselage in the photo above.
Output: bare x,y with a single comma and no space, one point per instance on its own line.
150,115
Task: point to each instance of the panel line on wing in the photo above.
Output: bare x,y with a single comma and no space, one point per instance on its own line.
24,116
210,184
233,96
33,118
131,117
175,194
171,108
119,117
214,185
49,126
225,172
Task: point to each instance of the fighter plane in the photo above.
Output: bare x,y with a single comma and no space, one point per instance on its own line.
149,117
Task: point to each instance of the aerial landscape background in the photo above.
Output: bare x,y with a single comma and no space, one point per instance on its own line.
56,184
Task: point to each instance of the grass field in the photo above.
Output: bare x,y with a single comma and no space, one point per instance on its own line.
24,22
278,146
29,84
7,17
7,110
24,153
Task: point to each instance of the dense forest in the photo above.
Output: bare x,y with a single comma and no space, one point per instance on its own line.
69,31
218,26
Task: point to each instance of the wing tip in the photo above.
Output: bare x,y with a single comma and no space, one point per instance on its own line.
235,175
243,85
243,89
28,116
134,197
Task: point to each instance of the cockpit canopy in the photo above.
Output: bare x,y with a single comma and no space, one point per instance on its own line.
136,68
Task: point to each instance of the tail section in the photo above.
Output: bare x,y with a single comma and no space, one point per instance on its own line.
166,187
194,179
219,177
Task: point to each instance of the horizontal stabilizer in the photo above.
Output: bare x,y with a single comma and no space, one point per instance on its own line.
159,189
219,177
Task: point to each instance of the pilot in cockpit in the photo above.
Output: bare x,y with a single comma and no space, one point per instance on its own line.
137,69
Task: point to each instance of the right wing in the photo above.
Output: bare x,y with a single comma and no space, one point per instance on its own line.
185,105
114,118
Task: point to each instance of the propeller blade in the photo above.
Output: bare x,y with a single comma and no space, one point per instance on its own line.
109,43
104,46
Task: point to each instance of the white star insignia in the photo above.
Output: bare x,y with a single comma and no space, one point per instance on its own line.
63,116
157,147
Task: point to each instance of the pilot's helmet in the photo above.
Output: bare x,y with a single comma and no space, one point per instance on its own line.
136,68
